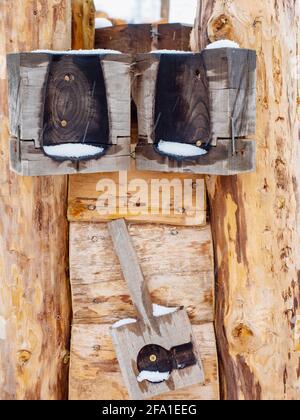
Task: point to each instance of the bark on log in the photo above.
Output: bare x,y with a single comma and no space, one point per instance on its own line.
34,291
256,217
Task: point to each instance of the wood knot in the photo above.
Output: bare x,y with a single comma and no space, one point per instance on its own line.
221,28
24,356
242,332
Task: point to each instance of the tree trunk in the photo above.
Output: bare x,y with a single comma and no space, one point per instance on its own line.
256,217
83,24
34,291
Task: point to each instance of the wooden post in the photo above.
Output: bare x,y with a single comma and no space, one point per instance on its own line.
255,218
165,10
83,24
34,292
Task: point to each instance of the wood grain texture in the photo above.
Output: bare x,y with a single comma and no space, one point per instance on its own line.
83,24
255,218
138,197
95,373
35,307
168,257
142,38
100,298
219,160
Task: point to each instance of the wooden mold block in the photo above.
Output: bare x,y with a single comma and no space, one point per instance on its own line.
175,262
142,38
69,112
205,100
156,354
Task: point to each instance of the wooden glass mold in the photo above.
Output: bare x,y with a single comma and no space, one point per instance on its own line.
156,354
196,110
69,112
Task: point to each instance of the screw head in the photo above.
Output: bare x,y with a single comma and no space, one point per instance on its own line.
63,123
153,358
199,143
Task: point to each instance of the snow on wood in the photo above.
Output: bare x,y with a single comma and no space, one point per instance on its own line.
72,150
154,377
102,23
123,322
180,149
162,310
77,52
223,43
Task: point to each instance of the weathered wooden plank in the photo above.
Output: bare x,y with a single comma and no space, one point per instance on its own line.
141,38
117,77
131,270
27,160
138,196
95,373
219,161
175,261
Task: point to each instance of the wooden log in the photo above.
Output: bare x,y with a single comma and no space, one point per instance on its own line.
83,24
255,218
34,291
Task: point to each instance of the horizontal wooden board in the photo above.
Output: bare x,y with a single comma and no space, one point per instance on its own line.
177,264
27,160
138,190
219,160
95,372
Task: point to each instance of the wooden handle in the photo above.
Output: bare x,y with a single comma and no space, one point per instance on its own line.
131,269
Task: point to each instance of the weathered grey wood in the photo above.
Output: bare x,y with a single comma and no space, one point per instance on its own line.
231,74
131,269
167,331
219,160
117,75
172,330
28,84
143,92
27,160
27,90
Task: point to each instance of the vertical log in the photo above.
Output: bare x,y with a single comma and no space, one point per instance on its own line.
83,24
255,217
34,292
165,10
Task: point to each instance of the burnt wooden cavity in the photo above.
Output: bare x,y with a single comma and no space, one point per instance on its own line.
76,103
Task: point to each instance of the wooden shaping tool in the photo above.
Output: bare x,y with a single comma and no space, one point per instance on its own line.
156,354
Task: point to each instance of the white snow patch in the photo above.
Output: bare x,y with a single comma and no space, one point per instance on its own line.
223,43
154,377
171,52
162,310
102,23
180,149
2,328
77,52
122,322
72,150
